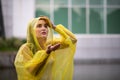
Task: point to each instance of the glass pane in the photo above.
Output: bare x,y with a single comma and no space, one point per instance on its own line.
96,2
78,2
61,16
61,2
42,11
96,20
113,2
113,20
79,20
42,2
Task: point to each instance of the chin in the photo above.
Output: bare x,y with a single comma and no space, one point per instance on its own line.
44,36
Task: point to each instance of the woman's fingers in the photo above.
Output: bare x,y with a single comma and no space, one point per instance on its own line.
48,51
54,47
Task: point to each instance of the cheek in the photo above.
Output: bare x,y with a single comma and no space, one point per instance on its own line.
47,31
37,32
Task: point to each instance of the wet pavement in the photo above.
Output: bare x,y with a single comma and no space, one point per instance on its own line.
97,72
81,72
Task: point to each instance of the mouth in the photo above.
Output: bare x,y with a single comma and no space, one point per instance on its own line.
43,33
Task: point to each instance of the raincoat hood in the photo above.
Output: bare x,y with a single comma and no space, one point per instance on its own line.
31,36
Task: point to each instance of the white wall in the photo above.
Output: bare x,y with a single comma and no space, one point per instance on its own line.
98,47
7,10
23,11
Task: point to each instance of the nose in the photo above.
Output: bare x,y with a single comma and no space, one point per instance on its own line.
43,27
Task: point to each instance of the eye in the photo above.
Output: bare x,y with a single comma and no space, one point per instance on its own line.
39,25
46,25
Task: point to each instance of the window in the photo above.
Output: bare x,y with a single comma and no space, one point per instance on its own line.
42,8
113,20
42,2
113,2
42,11
96,20
78,20
61,12
78,2
113,16
82,16
61,16
96,2
60,2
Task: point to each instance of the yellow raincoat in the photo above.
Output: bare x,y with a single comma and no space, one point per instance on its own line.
33,63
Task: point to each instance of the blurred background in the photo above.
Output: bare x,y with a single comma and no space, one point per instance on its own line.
96,24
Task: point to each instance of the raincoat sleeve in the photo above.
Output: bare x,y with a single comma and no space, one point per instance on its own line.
30,62
65,34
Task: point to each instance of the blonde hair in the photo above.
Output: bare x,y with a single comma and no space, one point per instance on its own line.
47,20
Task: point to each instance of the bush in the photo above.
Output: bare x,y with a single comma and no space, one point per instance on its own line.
11,44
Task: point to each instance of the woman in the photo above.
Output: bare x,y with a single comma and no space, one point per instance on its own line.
44,57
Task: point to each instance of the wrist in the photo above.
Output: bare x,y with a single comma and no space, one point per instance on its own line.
48,51
54,27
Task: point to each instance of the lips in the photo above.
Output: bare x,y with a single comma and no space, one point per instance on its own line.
43,33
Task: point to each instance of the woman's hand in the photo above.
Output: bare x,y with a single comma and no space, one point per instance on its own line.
51,48
53,26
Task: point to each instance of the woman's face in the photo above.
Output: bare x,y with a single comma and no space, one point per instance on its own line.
41,29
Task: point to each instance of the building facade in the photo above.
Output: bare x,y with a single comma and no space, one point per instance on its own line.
83,16
96,23
79,16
